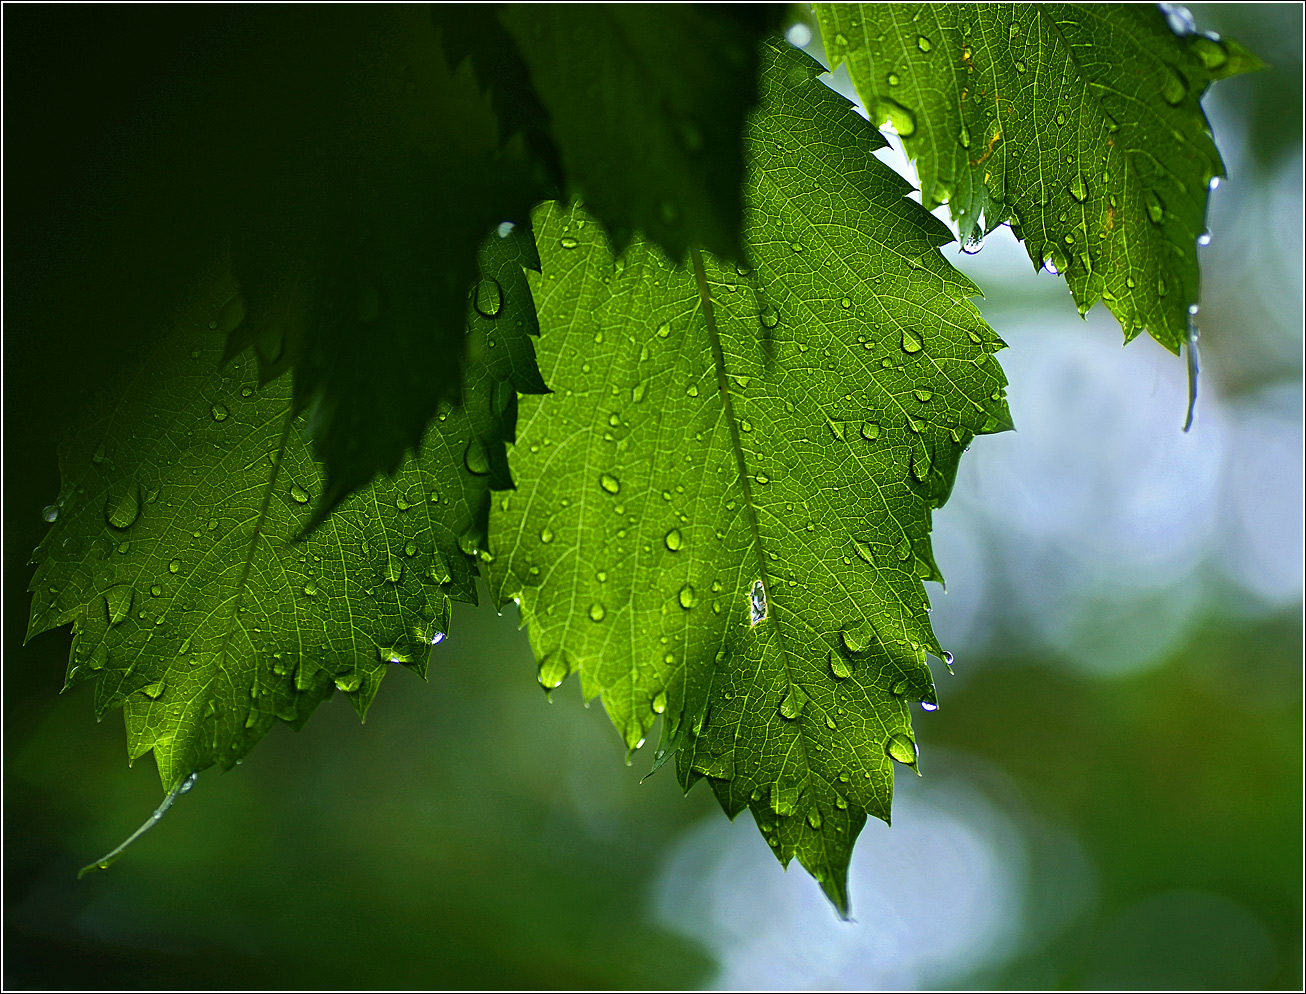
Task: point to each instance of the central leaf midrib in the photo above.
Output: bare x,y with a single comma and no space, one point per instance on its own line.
741,466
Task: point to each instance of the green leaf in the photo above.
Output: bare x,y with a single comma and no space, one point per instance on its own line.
356,243
173,551
1080,124
723,510
647,103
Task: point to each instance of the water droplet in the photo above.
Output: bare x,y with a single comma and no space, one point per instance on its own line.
597,611
504,229
310,589
156,591
757,603
219,412
899,117
1155,210
154,690
610,483
769,316
964,137
122,510
298,493
674,539
489,297
839,666
691,390
893,79
800,35
476,459
687,596
553,670
911,342
923,43
174,566
50,514
762,479
1078,190
1178,18
1061,119
394,569
349,683
1020,66
794,702
814,818
1204,239
923,395
546,535
568,242
900,748
870,431
1175,87
660,702
1161,288
118,602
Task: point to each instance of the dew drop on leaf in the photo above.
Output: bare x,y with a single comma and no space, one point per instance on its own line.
674,539
686,596
900,748
475,458
597,611
118,602
610,483
124,508
911,342
219,412
298,494
839,666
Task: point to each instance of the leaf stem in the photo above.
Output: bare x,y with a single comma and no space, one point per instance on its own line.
104,862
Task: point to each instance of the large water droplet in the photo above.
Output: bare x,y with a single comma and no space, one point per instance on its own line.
349,682
1078,189
870,431
298,494
1210,50
219,412
489,297
839,666
553,670
1175,87
857,637
122,509
610,483
568,242
597,611
476,459
899,117
757,603
911,342
674,540
794,702
118,602
1155,210
900,748
923,43
50,513
686,596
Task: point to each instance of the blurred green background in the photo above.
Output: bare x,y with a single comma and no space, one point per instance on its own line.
1113,782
